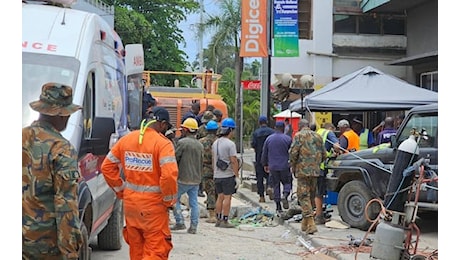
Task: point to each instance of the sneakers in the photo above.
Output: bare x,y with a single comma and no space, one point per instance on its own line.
262,199
191,230
178,227
321,220
270,193
201,194
226,224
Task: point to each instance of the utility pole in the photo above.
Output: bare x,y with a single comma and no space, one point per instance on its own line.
266,67
200,37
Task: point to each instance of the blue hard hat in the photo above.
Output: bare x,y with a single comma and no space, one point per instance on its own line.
212,125
228,122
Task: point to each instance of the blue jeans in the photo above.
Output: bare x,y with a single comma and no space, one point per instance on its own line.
192,192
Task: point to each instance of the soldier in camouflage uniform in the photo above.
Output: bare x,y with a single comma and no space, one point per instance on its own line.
207,116
305,155
50,221
207,179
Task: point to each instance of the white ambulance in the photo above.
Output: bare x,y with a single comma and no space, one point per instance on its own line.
81,50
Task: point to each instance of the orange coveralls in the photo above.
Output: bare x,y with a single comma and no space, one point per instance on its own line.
149,189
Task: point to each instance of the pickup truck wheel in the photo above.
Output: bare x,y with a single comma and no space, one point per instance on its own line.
110,237
85,250
351,204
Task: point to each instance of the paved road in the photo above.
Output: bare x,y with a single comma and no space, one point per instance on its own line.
284,241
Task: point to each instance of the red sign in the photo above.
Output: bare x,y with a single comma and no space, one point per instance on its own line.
251,84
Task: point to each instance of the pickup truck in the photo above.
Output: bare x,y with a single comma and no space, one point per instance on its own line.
361,176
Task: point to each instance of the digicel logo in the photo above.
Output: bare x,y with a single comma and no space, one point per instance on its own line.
39,46
255,27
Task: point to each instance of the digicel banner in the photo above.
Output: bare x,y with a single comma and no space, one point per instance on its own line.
253,28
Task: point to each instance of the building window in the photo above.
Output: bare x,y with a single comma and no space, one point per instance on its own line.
349,18
370,24
304,19
429,80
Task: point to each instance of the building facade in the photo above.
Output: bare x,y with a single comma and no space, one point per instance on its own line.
337,37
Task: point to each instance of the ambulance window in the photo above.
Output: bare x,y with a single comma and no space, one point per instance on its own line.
88,104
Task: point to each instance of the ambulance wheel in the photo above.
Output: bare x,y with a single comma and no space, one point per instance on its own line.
110,237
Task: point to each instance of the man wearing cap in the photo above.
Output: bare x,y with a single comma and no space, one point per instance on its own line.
348,140
257,142
366,138
50,220
207,116
149,189
275,159
189,157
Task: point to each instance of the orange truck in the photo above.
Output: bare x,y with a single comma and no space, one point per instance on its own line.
178,98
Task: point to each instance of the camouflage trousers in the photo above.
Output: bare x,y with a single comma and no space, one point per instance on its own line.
210,188
306,190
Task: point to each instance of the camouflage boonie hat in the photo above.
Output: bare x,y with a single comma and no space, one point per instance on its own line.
55,100
207,116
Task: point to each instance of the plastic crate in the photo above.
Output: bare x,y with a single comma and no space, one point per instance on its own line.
331,197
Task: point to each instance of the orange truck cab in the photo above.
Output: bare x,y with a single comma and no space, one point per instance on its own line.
178,100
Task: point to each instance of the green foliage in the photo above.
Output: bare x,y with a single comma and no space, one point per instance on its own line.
157,31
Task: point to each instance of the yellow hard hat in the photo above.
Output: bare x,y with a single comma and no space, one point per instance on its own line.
191,124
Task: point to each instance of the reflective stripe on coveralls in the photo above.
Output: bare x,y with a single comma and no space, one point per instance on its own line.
151,172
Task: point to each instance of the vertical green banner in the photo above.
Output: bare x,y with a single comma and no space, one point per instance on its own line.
285,28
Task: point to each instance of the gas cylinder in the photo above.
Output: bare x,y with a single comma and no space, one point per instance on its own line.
389,241
406,155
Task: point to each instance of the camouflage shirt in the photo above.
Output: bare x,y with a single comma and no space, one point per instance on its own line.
201,132
306,153
50,222
207,142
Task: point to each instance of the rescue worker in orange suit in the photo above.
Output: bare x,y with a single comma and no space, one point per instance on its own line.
149,188
349,139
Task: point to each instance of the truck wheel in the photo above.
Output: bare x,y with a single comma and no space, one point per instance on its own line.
110,237
351,204
85,250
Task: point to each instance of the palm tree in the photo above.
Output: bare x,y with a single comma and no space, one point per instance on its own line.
226,26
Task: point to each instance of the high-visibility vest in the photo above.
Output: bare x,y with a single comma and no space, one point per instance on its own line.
323,133
353,140
363,139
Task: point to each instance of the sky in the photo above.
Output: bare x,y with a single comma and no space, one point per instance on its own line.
189,28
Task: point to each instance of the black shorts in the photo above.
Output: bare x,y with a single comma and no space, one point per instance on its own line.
321,186
225,185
